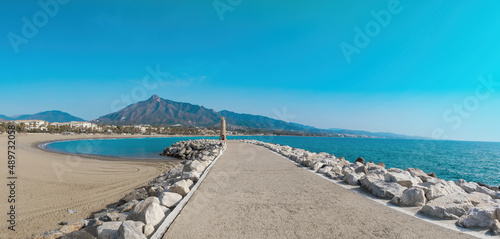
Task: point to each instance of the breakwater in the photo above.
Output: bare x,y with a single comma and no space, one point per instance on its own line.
471,205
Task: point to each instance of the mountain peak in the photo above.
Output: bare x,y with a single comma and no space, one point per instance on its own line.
156,110
154,98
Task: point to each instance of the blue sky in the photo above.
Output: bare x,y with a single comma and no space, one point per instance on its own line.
416,73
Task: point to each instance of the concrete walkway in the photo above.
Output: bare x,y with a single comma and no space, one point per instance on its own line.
253,193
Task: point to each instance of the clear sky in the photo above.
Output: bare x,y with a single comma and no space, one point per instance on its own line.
409,67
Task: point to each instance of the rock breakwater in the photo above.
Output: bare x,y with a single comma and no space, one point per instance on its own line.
139,213
470,204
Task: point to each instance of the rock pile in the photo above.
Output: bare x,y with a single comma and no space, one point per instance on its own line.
473,205
193,149
139,213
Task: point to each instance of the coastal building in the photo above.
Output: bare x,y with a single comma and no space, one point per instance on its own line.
57,124
81,124
33,124
142,127
77,124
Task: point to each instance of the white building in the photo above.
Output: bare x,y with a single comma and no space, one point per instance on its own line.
33,124
56,124
81,124
77,124
142,127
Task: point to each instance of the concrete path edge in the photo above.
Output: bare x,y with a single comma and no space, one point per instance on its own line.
171,217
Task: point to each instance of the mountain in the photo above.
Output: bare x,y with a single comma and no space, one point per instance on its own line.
373,134
4,117
50,116
157,111
262,122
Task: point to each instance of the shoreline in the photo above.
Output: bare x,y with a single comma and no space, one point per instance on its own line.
38,145
50,183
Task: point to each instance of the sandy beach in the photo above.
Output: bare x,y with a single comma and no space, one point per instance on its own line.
48,184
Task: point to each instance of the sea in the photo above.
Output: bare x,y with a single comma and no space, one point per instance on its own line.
450,160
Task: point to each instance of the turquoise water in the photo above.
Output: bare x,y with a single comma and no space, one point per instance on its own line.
141,148
450,160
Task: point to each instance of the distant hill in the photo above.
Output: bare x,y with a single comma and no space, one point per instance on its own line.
262,122
157,111
4,117
50,116
374,134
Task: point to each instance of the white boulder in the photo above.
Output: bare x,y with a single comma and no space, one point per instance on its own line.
336,169
147,211
307,162
169,199
495,228
403,178
481,216
325,170
378,172
197,166
148,230
395,170
474,187
191,175
382,189
316,166
477,198
439,188
411,197
182,187
353,178
373,166
451,206
334,175
308,155
128,231
108,230
415,172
